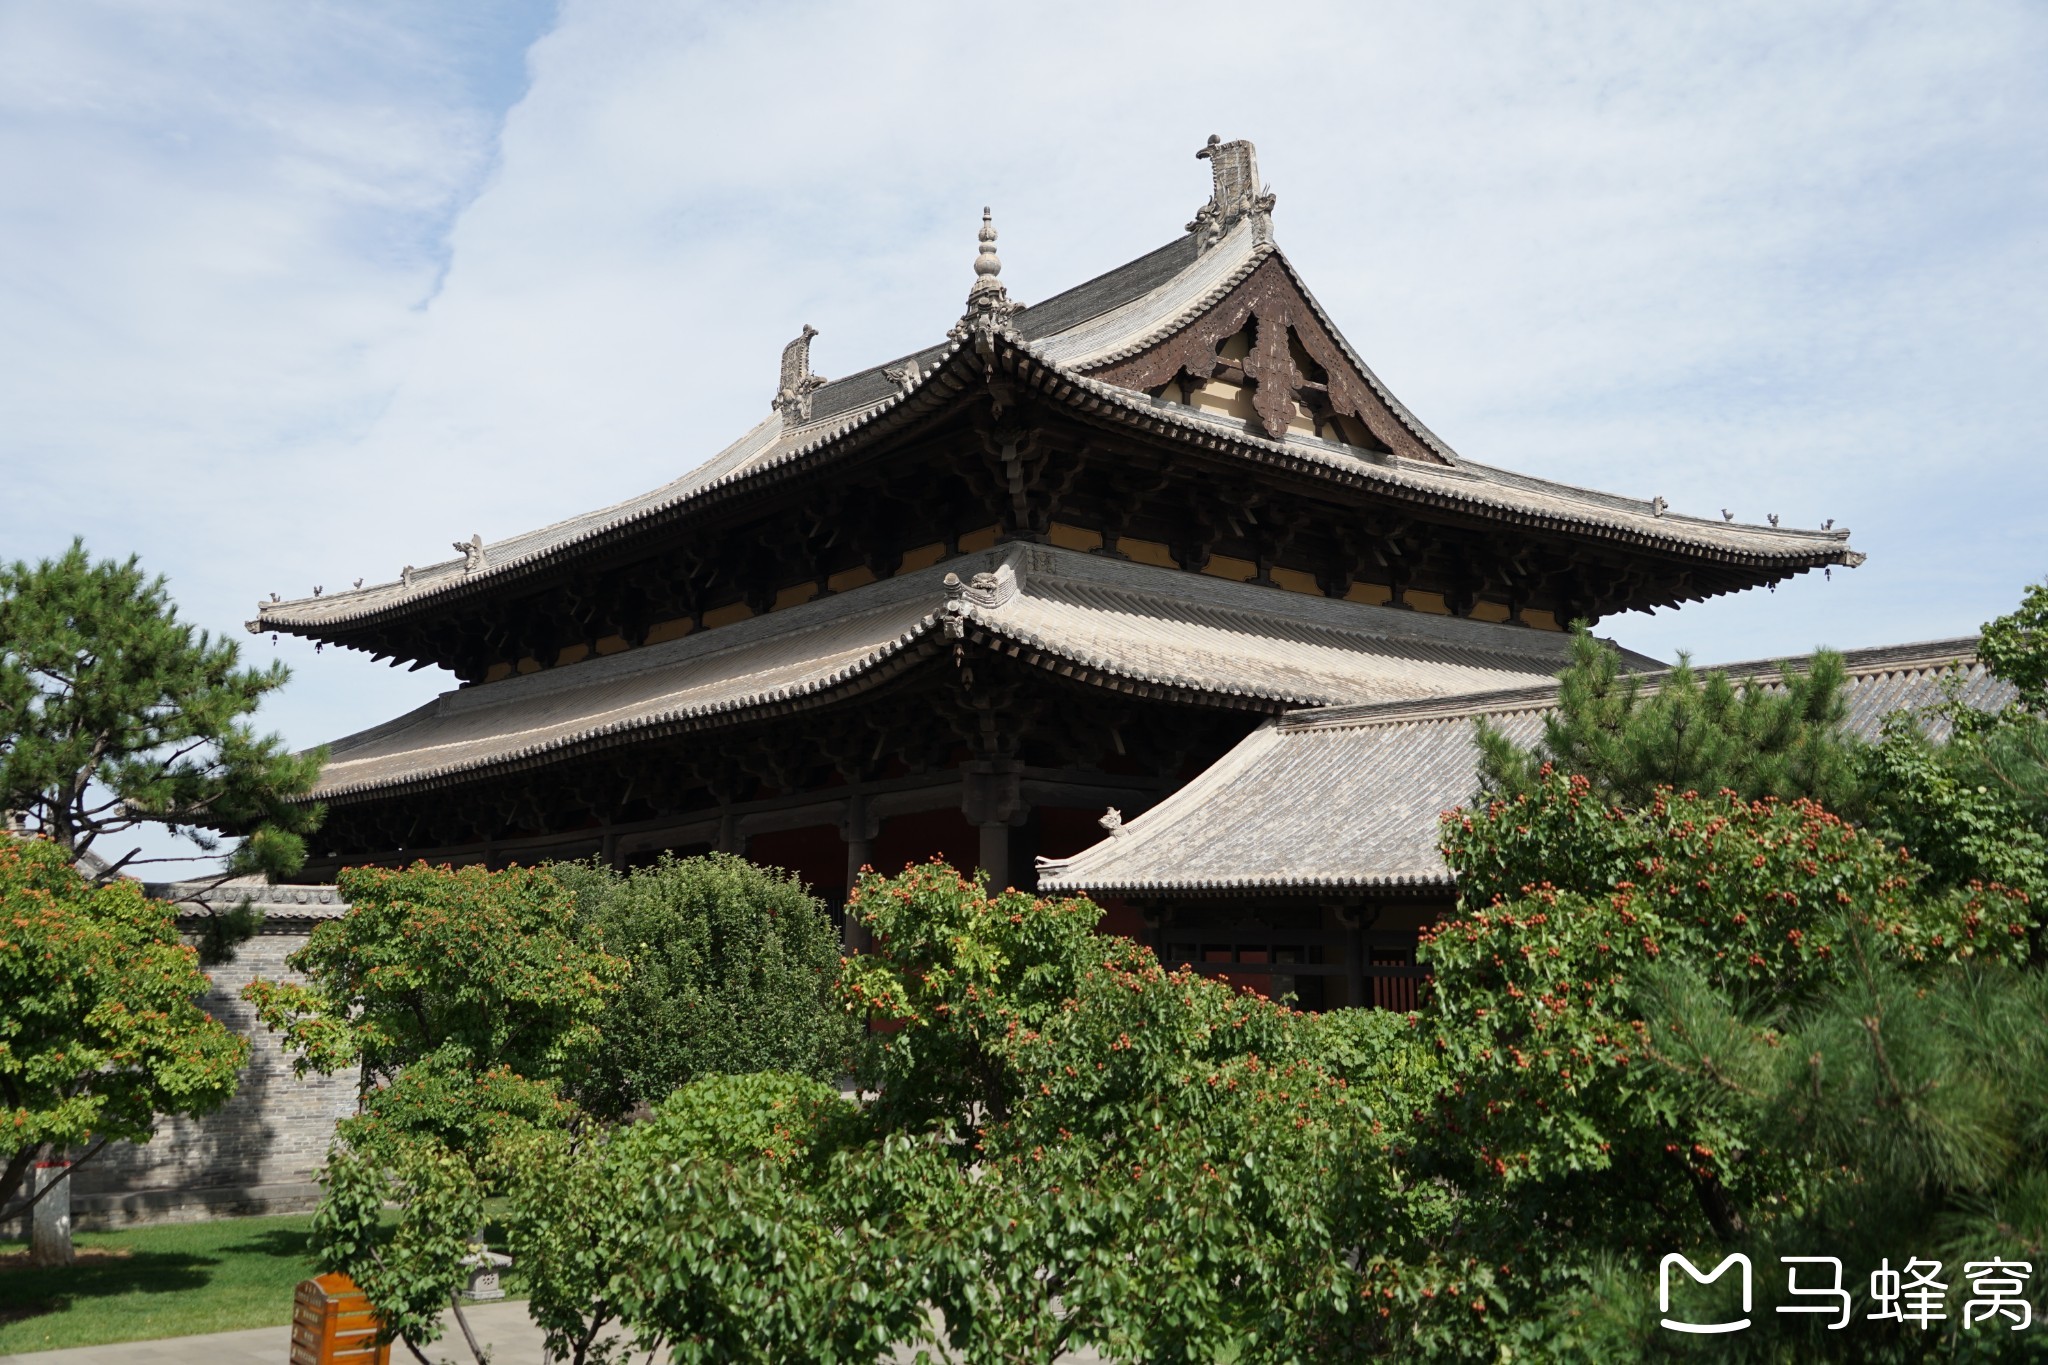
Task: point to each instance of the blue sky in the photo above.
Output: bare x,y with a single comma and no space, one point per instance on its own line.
295,294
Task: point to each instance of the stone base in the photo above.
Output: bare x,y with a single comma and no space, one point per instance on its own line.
99,1212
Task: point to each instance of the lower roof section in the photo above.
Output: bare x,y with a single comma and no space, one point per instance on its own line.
1127,627
1344,800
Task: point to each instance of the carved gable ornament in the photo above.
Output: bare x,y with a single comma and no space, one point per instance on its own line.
1296,374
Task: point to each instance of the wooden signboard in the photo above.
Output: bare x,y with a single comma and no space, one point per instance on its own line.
333,1324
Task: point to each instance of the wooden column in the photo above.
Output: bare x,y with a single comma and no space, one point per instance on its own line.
858,827
993,856
991,797
1353,918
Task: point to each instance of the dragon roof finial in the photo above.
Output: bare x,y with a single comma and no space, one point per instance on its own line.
793,394
1235,192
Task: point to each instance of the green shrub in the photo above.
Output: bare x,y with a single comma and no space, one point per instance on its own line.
1153,1162
485,969
733,1225
733,972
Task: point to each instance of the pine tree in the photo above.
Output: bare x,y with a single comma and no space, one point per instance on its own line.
1630,735
115,714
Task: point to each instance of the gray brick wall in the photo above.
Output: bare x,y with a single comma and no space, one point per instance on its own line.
274,1132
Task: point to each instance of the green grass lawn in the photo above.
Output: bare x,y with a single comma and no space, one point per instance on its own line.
171,1280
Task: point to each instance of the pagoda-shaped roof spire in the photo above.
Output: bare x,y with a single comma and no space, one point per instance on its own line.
1236,193
988,267
988,302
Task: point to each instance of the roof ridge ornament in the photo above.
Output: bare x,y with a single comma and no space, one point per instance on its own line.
473,557
793,394
988,589
904,376
988,301
1235,193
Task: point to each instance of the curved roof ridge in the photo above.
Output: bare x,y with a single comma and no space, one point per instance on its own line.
1957,649
1194,794
513,551
1401,410
1159,313
1871,661
747,455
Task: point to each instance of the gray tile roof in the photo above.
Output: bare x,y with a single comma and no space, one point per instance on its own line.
1116,314
292,903
1131,627
1346,798
836,407
1108,291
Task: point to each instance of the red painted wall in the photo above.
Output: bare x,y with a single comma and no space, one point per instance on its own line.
1062,832
816,854
915,838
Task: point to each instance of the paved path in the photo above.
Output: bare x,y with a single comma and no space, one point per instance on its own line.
503,1327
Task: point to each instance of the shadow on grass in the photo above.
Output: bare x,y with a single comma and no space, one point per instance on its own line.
28,1293
290,1243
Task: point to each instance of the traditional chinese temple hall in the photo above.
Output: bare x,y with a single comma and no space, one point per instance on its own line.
1150,590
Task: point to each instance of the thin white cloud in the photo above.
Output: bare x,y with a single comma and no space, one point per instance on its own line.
300,296
217,228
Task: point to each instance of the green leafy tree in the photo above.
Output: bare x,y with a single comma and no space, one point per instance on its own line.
115,714
427,1145
1629,735
1064,1144
1160,1164
733,971
1947,802
741,1222
753,1229
1713,1025
471,1000
2015,647
1966,789
100,1035
473,968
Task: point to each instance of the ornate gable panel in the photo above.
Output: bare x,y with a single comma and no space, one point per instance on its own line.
1292,370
